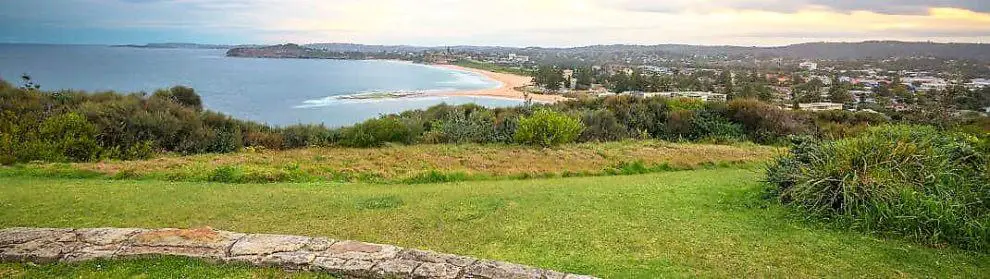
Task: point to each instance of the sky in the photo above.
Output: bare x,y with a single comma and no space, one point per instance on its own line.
547,23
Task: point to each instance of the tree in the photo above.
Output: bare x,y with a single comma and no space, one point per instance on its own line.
585,77
839,93
549,77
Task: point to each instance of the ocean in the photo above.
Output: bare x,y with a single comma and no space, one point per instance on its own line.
274,91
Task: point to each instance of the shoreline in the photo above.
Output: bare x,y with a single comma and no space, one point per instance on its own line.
506,89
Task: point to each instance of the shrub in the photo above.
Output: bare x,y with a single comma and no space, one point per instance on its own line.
181,95
70,136
377,132
548,128
226,174
712,127
264,139
685,104
913,181
763,122
459,126
296,136
602,125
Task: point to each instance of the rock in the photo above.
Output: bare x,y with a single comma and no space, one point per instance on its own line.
293,260
345,258
319,244
501,270
38,251
395,268
329,264
432,257
353,268
357,268
437,271
13,236
105,236
356,250
197,243
266,244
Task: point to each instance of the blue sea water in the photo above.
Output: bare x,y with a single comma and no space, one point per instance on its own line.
273,91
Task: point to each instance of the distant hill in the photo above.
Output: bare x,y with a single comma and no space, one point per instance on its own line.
861,50
821,50
884,49
186,46
280,51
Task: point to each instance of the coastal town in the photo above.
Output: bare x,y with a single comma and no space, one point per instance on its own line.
802,84
887,84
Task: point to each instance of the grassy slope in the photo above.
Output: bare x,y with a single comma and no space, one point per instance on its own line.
152,267
406,163
678,224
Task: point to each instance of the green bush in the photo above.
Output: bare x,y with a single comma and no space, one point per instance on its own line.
377,132
71,137
763,122
548,128
913,181
182,95
301,135
459,126
602,125
226,174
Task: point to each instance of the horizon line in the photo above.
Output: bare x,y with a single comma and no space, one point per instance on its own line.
495,46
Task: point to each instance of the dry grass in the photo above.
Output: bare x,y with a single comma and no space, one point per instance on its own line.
403,162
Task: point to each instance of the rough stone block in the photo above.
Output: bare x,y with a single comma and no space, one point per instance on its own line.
266,244
197,243
294,260
437,271
501,270
395,268
433,257
356,250
13,236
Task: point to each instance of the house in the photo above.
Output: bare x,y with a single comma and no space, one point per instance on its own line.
808,65
598,88
704,96
820,106
979,83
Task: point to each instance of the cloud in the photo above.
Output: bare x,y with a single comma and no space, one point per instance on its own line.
789,6
511,22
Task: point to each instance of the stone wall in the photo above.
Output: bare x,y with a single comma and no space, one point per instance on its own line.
344,258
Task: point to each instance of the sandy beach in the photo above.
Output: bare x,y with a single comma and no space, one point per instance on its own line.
507,90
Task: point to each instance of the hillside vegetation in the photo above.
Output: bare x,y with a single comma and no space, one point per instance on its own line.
930,186
416,163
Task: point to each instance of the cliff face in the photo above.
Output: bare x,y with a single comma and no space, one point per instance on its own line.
279,51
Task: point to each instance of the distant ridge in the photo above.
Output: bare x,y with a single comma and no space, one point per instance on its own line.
186,46
815,50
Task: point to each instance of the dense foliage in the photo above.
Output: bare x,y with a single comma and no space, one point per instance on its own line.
548,128
77,126
913,181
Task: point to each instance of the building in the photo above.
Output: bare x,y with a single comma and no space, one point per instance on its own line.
808,65
820,106
704,96
926,83
979,83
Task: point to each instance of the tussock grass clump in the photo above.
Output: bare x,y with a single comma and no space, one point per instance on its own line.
918,182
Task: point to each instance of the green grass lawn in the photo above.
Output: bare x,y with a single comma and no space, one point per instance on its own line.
701,223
